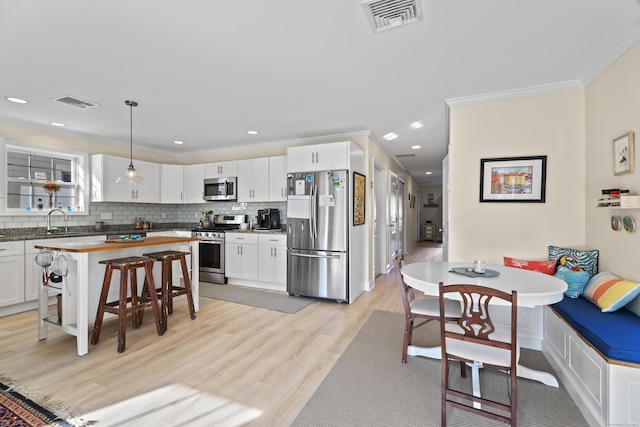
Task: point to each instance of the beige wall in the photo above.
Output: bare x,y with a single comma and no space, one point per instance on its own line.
551,125
612,109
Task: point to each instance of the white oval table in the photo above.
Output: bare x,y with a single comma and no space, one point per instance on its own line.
534,289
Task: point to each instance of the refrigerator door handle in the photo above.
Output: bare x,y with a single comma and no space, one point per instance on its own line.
317,256
313,229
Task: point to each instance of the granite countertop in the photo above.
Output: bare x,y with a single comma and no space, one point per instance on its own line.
36,233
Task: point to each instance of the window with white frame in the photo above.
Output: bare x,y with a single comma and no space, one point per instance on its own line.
38,179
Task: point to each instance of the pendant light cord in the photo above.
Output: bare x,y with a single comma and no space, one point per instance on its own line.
131,104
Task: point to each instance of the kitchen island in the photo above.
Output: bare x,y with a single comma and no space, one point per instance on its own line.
80,288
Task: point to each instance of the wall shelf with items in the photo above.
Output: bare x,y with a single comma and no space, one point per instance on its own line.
613,204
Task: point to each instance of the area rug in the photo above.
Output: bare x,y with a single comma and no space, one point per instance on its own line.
18,411
255,297
370,386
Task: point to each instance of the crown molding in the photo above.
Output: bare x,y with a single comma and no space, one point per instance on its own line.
632,36
515,93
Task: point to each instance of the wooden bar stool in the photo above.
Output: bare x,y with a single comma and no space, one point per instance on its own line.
127,302
168,289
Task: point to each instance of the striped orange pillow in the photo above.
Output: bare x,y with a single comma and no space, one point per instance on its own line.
609,292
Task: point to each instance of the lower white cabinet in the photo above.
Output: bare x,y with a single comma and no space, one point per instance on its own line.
272,258
241,256
12,290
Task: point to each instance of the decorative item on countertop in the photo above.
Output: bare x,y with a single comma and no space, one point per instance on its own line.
138,223
99,226
478,266
51,187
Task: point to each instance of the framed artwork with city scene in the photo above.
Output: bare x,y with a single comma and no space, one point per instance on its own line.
513,179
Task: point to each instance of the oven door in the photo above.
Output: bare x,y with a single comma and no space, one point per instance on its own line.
212,261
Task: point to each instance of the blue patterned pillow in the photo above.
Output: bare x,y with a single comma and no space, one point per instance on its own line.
585,260
576,280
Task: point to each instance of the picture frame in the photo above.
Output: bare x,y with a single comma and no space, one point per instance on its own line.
623,154
359,194
513,179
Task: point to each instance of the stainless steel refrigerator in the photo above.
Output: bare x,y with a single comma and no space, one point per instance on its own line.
318,234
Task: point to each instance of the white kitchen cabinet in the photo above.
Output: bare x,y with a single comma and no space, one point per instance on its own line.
106,169
221,169
12,272
272,258
278,179
333,155
172,190
241,256
194,183
253,180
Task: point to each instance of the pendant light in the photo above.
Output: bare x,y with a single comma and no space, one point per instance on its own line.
131,175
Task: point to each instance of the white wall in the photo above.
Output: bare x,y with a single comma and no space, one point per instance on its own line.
612,109
551,125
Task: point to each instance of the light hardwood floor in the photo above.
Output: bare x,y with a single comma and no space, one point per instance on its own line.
250,362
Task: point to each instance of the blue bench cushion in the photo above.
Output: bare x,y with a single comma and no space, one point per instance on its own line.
616,335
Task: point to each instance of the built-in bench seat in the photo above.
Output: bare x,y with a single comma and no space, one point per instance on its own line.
597,357
616,335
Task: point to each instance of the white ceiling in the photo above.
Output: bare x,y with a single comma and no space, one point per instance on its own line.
206,72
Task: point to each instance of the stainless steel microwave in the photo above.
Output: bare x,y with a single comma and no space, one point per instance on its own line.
220,189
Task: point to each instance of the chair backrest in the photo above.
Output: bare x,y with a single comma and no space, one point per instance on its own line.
475,323
406,291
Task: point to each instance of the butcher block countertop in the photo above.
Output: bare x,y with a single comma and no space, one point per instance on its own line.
124,244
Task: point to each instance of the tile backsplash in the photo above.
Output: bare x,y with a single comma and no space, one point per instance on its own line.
126,213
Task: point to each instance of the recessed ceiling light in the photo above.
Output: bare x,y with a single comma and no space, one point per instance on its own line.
416,125
252,132
390,136
428,173
57,124
178,142
16,100
416,147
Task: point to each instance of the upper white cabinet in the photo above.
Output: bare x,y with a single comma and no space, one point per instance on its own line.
253,180
221,169
106,169
334,155
172,183
194,183
278,179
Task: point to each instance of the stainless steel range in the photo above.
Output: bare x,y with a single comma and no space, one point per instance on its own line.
212,246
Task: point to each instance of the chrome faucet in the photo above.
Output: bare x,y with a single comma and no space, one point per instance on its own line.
49,229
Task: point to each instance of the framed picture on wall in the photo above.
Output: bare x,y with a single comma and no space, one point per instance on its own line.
623,154
358,198
513,179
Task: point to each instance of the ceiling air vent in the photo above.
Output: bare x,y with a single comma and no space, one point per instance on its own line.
404,156
387,14
76,102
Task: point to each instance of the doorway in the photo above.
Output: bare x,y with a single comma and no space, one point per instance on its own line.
379,219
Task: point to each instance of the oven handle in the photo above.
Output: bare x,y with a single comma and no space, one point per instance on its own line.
212,241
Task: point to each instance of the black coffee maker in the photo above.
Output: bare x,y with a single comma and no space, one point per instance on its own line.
268,218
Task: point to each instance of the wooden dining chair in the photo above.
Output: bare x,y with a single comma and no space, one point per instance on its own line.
474,340
423,310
